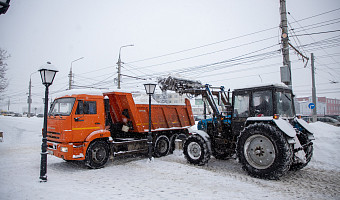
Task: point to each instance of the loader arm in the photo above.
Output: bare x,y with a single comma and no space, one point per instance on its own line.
196,88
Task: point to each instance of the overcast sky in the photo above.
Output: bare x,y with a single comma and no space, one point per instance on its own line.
220,42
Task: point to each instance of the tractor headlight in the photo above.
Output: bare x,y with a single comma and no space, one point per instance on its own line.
64,149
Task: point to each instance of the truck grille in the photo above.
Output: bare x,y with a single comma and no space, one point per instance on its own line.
53,135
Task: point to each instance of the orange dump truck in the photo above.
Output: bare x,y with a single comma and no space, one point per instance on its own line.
93,127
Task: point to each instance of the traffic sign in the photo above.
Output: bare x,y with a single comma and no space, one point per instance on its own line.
311,106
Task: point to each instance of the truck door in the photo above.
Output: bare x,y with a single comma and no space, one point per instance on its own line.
240,112
85,120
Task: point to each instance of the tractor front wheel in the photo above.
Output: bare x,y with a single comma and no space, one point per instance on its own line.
196,150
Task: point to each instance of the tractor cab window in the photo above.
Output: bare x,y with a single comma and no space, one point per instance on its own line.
86,107
241,105
284,104
263,103
62,107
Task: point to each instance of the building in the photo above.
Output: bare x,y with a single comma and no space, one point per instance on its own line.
170,97
324,106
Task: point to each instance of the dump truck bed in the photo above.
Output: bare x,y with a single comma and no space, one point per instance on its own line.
163,116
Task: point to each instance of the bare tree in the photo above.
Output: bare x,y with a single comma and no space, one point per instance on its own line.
3,68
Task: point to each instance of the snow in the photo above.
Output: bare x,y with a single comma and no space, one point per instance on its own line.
169,177
48,66
263,85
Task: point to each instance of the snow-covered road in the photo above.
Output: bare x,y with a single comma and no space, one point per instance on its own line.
169,177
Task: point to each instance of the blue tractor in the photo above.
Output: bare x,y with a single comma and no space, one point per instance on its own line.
256,125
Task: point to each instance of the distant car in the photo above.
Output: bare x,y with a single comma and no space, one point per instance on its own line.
9,114
40,115
17,115
198,117
329,120
337,117
307,118
325,119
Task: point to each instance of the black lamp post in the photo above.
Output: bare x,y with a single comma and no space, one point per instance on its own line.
47,73
150,89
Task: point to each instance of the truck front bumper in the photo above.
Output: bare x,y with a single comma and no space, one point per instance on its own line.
67,151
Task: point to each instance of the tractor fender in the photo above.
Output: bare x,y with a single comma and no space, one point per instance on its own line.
304,125
282,124
204,135
98,134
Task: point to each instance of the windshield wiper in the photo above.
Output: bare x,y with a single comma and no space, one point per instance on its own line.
287,97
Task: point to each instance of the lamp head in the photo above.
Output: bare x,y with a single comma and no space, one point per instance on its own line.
47,73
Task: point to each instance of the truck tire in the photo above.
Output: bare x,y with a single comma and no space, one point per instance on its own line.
196,150
97,154
263,151
162,146
303,138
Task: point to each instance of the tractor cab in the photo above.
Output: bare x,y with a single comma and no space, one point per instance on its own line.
263,101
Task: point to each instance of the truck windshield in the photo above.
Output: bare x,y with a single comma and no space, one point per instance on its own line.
284,104
62,106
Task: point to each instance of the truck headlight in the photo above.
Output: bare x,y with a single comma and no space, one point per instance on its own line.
64,149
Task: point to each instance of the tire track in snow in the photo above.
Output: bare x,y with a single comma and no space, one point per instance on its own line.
308,183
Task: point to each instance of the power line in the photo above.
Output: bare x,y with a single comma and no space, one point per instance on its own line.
317,15
318,33
198,47
209,53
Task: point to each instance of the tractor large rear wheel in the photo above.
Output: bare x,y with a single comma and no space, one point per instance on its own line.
263,151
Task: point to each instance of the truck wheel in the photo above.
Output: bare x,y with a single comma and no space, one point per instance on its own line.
196,150
97,154
263,151
162,146
303,138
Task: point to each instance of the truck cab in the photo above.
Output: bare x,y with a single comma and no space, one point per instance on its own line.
71,120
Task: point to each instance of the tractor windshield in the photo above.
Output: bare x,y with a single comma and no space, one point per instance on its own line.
284,104
62,106
263,103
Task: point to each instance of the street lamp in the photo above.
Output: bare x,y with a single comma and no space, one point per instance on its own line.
4,5
70,74
150,89
47,73
119,63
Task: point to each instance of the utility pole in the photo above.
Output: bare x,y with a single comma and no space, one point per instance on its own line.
29,100
9,103
70,75
313,88
286,72
119,63
70,78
